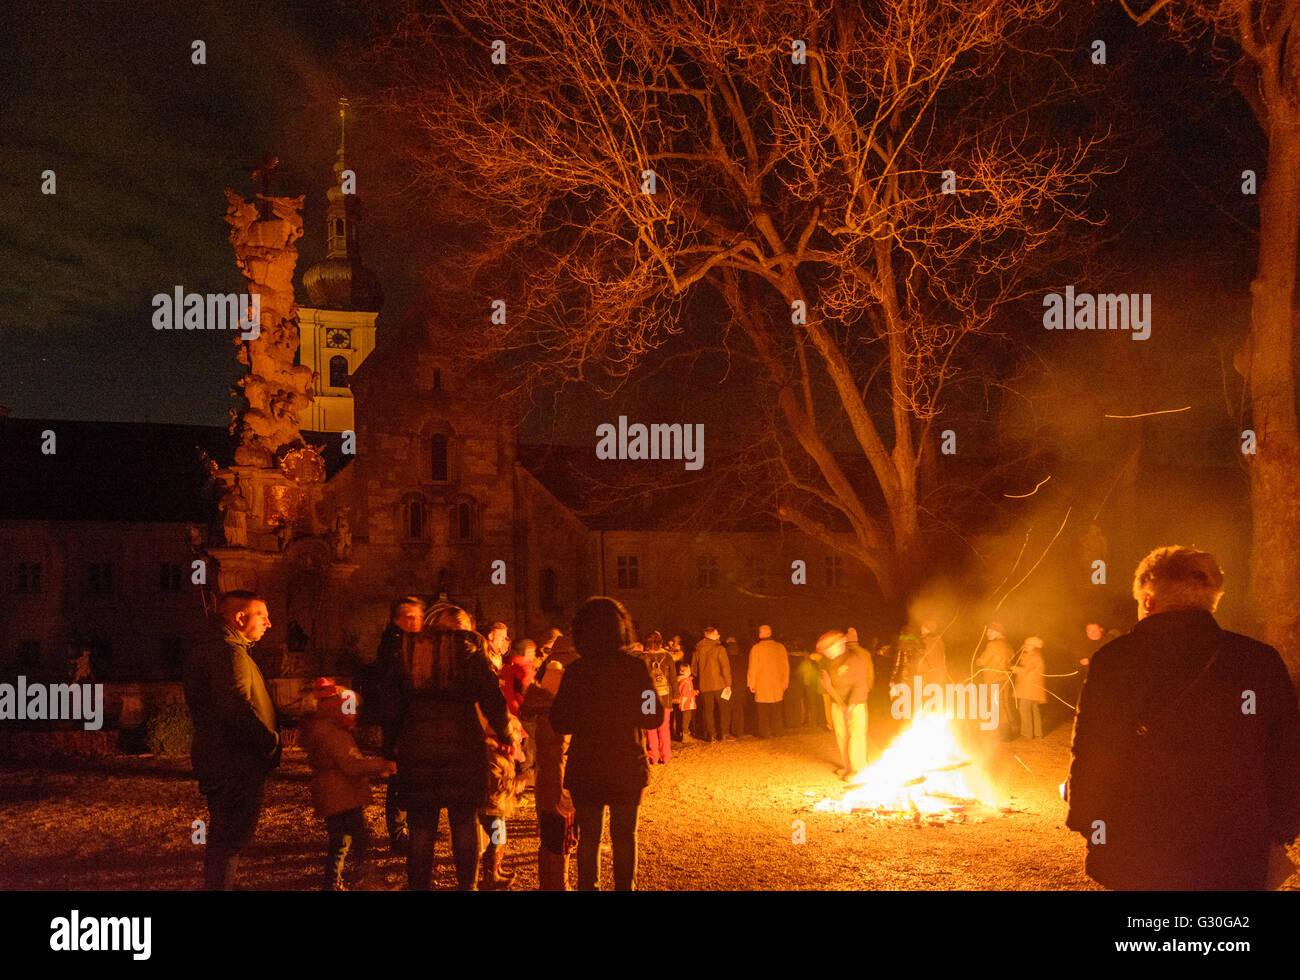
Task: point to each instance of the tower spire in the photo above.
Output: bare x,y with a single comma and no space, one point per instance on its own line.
341,281
343,108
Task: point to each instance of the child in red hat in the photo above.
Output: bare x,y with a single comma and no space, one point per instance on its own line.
340,779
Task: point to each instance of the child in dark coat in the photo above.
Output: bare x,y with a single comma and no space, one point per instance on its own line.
340,780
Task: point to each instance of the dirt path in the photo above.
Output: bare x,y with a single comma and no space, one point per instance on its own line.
718,816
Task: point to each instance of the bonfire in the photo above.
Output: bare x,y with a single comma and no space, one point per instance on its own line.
924,775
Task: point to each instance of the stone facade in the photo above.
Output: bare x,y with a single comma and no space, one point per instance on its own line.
121,591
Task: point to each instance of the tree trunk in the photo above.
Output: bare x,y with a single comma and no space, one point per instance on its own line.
1275,466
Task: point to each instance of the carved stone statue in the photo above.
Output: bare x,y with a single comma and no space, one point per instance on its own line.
275,389
235,508
342,536
283,534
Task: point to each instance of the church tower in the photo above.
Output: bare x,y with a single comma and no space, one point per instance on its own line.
338,327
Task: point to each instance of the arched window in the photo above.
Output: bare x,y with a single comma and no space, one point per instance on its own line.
338,227
415,522
338,371
437,379
438,447
464,520
550,590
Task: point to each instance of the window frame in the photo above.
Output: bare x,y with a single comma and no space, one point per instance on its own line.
627,570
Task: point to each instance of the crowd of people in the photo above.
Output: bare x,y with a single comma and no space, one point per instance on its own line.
466,720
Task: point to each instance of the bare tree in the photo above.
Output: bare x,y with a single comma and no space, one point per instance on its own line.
1260,44
864,185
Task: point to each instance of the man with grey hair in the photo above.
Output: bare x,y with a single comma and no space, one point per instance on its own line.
1186,768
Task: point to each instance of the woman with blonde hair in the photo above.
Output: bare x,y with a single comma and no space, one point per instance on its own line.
442,682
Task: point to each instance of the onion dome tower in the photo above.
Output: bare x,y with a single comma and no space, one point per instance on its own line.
338,327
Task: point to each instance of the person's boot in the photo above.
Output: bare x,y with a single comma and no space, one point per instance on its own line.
552,871
334,869
495,878
219,870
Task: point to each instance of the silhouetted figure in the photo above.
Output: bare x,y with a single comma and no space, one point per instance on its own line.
1186,769
606,702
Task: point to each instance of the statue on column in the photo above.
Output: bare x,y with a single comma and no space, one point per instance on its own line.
342,536
235,508
275,390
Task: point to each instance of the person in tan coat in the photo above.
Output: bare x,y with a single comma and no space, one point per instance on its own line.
340,780
1030,692
993,666
769,676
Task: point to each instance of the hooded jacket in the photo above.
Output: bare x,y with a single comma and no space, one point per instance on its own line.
340,774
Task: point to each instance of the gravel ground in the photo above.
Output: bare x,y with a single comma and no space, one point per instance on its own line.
718,816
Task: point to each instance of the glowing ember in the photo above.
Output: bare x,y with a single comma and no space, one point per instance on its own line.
924,772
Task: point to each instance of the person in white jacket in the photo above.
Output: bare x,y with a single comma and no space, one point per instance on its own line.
1029,672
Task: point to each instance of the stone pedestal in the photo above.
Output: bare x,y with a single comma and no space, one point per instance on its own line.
275,500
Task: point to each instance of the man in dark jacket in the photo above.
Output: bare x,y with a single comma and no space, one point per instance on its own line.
741,698
236,740
374,684
712,670
1186,769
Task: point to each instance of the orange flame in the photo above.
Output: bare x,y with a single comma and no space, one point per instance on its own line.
924,771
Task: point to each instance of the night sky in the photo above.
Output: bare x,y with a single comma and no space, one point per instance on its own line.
144,142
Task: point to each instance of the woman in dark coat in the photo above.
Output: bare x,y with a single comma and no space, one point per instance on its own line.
442,681
606,702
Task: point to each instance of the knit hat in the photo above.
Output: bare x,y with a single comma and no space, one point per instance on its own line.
331,700
1034,641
